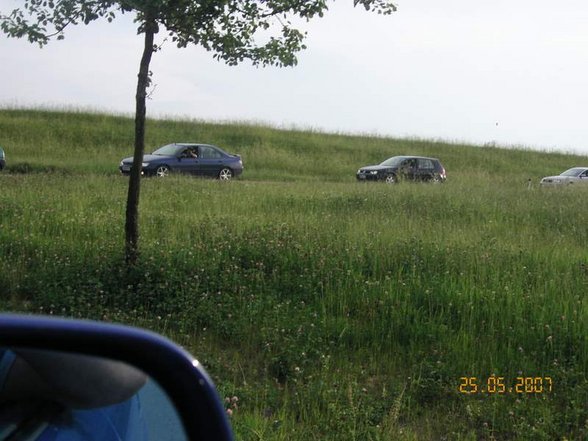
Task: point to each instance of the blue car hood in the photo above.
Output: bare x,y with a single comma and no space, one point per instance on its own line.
147,158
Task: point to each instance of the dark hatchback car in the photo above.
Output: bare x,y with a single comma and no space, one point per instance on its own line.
397,168
196,159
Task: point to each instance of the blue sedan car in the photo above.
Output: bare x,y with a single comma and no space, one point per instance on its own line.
196,159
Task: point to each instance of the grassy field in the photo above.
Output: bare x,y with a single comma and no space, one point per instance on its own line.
331,309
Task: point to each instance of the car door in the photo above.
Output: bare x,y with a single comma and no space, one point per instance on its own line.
211,160
188,161
425,169
408,169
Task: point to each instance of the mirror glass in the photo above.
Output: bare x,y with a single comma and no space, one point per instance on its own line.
58,396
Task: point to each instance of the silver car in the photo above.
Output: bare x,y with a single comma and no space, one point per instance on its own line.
572,176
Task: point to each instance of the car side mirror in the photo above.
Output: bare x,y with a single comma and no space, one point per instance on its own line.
89,371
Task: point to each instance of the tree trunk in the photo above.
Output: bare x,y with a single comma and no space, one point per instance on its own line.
132,212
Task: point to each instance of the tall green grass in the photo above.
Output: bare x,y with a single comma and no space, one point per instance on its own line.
330,308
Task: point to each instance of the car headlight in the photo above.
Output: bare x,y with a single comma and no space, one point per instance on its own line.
374,172
144,164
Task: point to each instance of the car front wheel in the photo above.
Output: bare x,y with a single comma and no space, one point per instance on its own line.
391,179
225,174
162,171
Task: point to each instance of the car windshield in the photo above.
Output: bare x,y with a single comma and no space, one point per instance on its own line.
573,172
168,150
394,161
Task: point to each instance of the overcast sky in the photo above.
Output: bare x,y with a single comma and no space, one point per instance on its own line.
512,72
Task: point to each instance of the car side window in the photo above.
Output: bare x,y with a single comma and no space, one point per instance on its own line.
408,164
209,153
426,164
584,175
205,152
190,152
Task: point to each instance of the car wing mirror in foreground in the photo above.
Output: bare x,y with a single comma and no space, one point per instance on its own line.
63,379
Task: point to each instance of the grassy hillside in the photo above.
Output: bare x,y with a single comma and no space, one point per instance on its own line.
332,309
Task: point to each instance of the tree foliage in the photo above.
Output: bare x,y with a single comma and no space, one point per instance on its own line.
234,30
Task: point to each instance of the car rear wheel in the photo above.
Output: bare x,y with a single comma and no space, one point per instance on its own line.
391,179
162,171
225,174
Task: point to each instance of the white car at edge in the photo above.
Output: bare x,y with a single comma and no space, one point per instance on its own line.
572,176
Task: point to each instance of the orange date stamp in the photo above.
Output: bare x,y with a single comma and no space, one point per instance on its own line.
495,384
